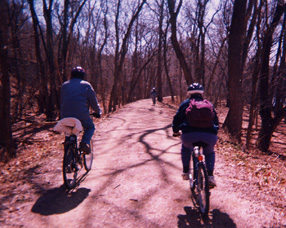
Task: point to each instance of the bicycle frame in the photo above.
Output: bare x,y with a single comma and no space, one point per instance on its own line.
74,159
72,140
199,180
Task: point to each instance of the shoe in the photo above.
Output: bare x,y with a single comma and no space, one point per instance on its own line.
85,148
185,176
212,182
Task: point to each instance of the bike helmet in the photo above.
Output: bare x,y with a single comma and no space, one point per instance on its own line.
195,88
78,72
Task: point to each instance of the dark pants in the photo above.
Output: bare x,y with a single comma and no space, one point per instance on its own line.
187,146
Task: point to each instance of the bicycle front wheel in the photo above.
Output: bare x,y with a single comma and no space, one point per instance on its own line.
202,187
88,158
70,168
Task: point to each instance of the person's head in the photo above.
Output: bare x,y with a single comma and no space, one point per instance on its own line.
78,72
195,90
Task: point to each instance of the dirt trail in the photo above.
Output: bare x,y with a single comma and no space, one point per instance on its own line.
136,182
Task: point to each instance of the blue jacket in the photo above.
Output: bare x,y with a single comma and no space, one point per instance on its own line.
180,121
77,96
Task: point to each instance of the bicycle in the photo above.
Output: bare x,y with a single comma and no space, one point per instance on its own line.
74,159
199,182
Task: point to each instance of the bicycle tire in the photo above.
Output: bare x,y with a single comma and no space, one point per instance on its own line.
88,158
69,167
201,190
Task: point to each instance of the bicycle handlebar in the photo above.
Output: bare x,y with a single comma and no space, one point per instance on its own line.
96,115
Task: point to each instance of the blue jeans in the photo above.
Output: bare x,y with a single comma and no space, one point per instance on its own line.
187,146
89,129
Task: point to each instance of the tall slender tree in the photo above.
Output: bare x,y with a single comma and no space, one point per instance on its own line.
179,53
269,123
6,139
120,53
233,120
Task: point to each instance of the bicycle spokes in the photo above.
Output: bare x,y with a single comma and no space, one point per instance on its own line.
69,167
200,188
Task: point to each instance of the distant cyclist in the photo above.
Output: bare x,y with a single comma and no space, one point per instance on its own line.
77,96
196,127
153,95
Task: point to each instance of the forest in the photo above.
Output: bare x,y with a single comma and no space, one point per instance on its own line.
235,48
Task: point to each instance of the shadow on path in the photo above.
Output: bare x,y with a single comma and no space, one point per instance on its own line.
58,201
193,219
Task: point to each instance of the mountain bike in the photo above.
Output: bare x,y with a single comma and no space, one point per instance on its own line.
74,160
199,182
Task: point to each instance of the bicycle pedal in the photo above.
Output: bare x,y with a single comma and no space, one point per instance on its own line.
75,168
68,169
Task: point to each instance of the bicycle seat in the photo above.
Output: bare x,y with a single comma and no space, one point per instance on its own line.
200,144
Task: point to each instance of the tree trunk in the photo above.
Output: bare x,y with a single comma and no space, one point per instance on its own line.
6,139
180,55
43,94
268,124
254,102
166,64
159,56
120,55
233,120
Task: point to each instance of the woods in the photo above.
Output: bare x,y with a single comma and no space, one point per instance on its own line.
235,49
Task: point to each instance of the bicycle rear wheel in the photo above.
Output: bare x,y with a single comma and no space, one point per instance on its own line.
88,158
69,167
202,190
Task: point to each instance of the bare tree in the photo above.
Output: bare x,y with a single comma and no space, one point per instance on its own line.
269,123
120,53
70,16
233,120
159,56
6,138
256,68
180,55
38,35
166,62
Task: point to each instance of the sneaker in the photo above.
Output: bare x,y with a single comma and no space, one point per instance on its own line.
212,182
85,148
185,176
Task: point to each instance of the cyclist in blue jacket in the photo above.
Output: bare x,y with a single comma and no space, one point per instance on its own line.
77,97
194,134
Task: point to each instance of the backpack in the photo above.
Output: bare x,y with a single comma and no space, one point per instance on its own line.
200,113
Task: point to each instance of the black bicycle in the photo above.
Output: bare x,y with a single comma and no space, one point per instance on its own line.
74,160
199,182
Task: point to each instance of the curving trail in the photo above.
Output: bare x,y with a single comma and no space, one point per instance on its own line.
135,182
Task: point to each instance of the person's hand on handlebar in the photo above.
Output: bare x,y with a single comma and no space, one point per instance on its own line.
96,115
176,134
